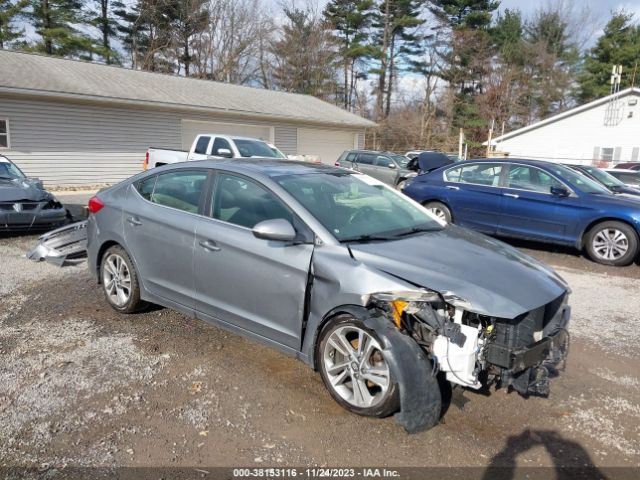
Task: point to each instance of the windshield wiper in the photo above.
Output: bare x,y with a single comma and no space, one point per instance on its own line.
366,238
418,230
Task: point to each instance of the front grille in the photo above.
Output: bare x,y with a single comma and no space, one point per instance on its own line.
512,334
24,206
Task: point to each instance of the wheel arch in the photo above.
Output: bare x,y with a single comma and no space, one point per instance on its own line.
581,238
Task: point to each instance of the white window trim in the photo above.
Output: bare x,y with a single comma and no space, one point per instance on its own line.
613,152
8,134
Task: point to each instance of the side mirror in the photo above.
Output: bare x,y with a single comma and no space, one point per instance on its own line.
276,229
559,191
224,152
392,165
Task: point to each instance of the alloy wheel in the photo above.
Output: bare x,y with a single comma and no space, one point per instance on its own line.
356,368
116,279
438,212
610,244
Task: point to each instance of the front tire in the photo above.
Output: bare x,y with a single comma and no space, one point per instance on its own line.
120,281
440,210
612,243
354,370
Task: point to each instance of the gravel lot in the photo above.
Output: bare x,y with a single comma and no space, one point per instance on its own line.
82,385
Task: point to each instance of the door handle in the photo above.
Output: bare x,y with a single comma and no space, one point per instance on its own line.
512,195
134,221
209,245
451,187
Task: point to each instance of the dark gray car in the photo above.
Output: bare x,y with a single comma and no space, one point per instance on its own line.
390,168
337,269
24,203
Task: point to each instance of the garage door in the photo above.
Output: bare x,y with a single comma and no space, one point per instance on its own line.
327,144
191,128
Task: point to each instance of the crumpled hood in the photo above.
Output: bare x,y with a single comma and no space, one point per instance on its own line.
495,278
21,189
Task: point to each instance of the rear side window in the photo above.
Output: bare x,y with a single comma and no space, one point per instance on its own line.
487,174
366,158
145,187
202,144
245,203
351,157
180,190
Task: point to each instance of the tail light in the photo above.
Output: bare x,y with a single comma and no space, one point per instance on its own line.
337,164
145,164
95,205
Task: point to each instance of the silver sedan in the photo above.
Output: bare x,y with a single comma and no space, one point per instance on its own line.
336,269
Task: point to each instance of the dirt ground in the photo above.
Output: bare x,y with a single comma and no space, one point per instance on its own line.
81,385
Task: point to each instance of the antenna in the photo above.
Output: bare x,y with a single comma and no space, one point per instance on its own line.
613,112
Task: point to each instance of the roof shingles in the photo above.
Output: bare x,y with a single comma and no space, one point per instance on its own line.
29,73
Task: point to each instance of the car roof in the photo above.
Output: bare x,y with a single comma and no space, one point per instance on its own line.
526,161
379,152
269,167
622,170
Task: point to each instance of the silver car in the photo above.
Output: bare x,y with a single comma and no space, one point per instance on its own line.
337,269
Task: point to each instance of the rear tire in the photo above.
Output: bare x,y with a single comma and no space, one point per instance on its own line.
354,370
120,281
440,210
612,243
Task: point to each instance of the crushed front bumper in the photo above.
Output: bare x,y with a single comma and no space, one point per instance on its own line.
20,216
62,244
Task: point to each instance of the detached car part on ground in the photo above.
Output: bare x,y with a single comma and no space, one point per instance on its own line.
24,203
62,244
338,270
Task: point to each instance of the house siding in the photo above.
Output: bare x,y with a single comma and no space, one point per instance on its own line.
66,143
580,138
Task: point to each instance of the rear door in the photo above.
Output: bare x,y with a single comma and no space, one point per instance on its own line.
365,164
386,170
254,284
160,219
474,194
531,211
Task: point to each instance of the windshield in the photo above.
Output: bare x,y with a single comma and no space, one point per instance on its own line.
603,177
357,207
584,184
9,170
276,152
254,148
401,160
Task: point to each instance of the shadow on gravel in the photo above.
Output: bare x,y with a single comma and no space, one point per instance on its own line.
570,459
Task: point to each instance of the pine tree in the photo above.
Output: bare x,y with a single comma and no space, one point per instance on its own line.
618,45
54,22
396,21
186,19
10,11
104,17
350,20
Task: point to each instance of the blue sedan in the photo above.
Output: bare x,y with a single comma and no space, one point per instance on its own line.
533,200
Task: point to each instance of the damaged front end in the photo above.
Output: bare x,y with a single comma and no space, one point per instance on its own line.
475,350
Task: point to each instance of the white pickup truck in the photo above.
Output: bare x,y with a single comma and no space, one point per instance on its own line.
208,145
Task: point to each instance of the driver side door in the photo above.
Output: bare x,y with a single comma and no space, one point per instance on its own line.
254,285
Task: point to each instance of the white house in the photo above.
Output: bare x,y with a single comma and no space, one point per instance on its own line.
604,132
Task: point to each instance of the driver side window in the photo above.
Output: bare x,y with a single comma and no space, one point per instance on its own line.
244,203
219,143
531,179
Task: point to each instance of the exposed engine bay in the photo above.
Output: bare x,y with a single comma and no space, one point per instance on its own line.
474,350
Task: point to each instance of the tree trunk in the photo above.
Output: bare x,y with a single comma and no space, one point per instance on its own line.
392,55
383,64
104,4
46,23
